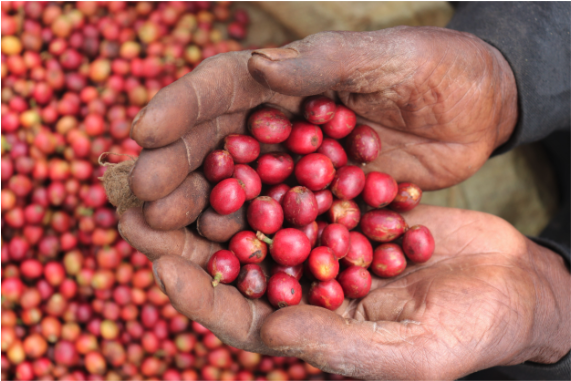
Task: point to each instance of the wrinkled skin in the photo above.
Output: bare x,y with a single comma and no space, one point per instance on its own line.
488,296
441,101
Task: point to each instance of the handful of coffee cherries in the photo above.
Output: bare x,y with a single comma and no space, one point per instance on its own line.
285,220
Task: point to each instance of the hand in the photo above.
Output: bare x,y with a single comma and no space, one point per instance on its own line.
440,100
487,297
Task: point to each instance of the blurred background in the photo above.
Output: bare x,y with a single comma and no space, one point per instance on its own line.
77,301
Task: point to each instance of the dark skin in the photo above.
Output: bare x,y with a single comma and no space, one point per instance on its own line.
441,101
489,296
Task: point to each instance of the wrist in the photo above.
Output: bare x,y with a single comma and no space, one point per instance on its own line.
550,338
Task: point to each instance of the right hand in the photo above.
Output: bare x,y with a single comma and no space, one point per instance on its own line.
440,100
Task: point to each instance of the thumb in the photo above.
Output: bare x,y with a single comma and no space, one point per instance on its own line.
358,349
341,61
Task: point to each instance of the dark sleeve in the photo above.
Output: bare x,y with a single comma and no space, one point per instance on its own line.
534,39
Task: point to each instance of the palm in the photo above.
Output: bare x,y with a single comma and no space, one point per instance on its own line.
451,303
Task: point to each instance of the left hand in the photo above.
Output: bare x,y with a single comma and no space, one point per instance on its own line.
489,296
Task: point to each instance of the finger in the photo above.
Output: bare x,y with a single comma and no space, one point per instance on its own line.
160,171
219,85
341,61
218,228
201,109
156,243
359,349
222,309
181,207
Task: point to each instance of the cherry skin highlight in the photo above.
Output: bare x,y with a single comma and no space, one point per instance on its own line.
289,247
342,124
319,109
223,266
249,177
265,214
269,125
382,225
418,244
218,165
346,213
407,198
334,151
348,182
251,281
283,290
274,168
277,192
360,251
337,238
327,294
323,264
388,260
380,189
355,282
300,206
243,148
248,248
304,138
227,196
294,271
314,171
363,144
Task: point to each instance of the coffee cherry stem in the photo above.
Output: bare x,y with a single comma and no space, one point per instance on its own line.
216,279
262,237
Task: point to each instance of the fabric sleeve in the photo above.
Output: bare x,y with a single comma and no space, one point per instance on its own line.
534,39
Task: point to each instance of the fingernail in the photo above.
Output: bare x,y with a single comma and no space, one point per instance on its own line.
158,278
277,54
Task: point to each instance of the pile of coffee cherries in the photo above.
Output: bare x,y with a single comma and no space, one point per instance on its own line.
286,220
78,302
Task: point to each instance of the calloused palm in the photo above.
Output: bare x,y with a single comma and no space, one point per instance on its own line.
475,304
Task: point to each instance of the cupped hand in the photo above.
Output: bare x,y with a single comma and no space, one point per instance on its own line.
488,296
440,100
